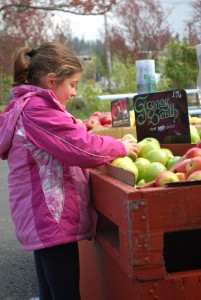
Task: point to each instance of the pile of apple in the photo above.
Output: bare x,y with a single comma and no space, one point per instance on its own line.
194,120
195,134
158,165
101,119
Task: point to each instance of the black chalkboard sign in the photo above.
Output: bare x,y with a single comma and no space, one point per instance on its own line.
163,115
120,112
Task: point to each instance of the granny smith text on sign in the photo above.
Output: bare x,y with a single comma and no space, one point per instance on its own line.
163,115
120,112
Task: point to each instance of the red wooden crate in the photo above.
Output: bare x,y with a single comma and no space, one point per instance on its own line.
148,242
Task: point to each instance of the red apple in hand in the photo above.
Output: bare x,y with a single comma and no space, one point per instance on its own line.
193,165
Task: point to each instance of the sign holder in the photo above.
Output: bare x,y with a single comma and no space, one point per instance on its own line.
120,112
162,115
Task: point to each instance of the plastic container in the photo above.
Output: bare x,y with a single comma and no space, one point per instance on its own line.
145,76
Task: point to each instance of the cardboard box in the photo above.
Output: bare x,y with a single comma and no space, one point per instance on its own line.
117,132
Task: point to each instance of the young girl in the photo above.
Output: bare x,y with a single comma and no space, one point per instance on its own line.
48,154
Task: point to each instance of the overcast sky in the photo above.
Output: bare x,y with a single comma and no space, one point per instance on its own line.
91,27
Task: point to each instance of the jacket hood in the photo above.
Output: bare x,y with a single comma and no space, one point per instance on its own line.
9,117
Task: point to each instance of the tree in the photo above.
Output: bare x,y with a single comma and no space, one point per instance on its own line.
80,7
140,29
28,27
193,25
123,76
28,22
179,65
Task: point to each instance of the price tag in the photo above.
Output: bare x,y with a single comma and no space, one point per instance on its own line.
162,115
120,112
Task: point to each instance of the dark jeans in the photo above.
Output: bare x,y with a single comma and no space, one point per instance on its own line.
58,272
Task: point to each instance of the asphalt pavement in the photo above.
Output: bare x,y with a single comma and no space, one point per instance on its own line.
17,271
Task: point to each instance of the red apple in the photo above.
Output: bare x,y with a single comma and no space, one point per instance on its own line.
98,126
94,117
193,152
181,166
193,165
165,177
105,119
194,176
182,176
96,113
92,122
198,145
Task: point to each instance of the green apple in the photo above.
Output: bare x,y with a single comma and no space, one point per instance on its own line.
147,140
172,161
140,182
146,147
129,136
118,160
169,152
195,137
193,128
141,164
153,170
128,159
158,155
126,165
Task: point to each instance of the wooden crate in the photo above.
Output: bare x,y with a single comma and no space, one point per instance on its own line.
148,243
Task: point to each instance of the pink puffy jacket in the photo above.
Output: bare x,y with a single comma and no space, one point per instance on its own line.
48,155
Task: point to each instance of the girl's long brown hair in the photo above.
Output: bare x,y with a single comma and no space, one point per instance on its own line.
30,65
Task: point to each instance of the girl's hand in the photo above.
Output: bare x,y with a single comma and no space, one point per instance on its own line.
131,148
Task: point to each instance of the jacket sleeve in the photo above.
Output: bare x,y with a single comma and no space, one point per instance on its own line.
56,132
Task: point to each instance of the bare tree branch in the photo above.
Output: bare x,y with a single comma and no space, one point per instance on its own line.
78,7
